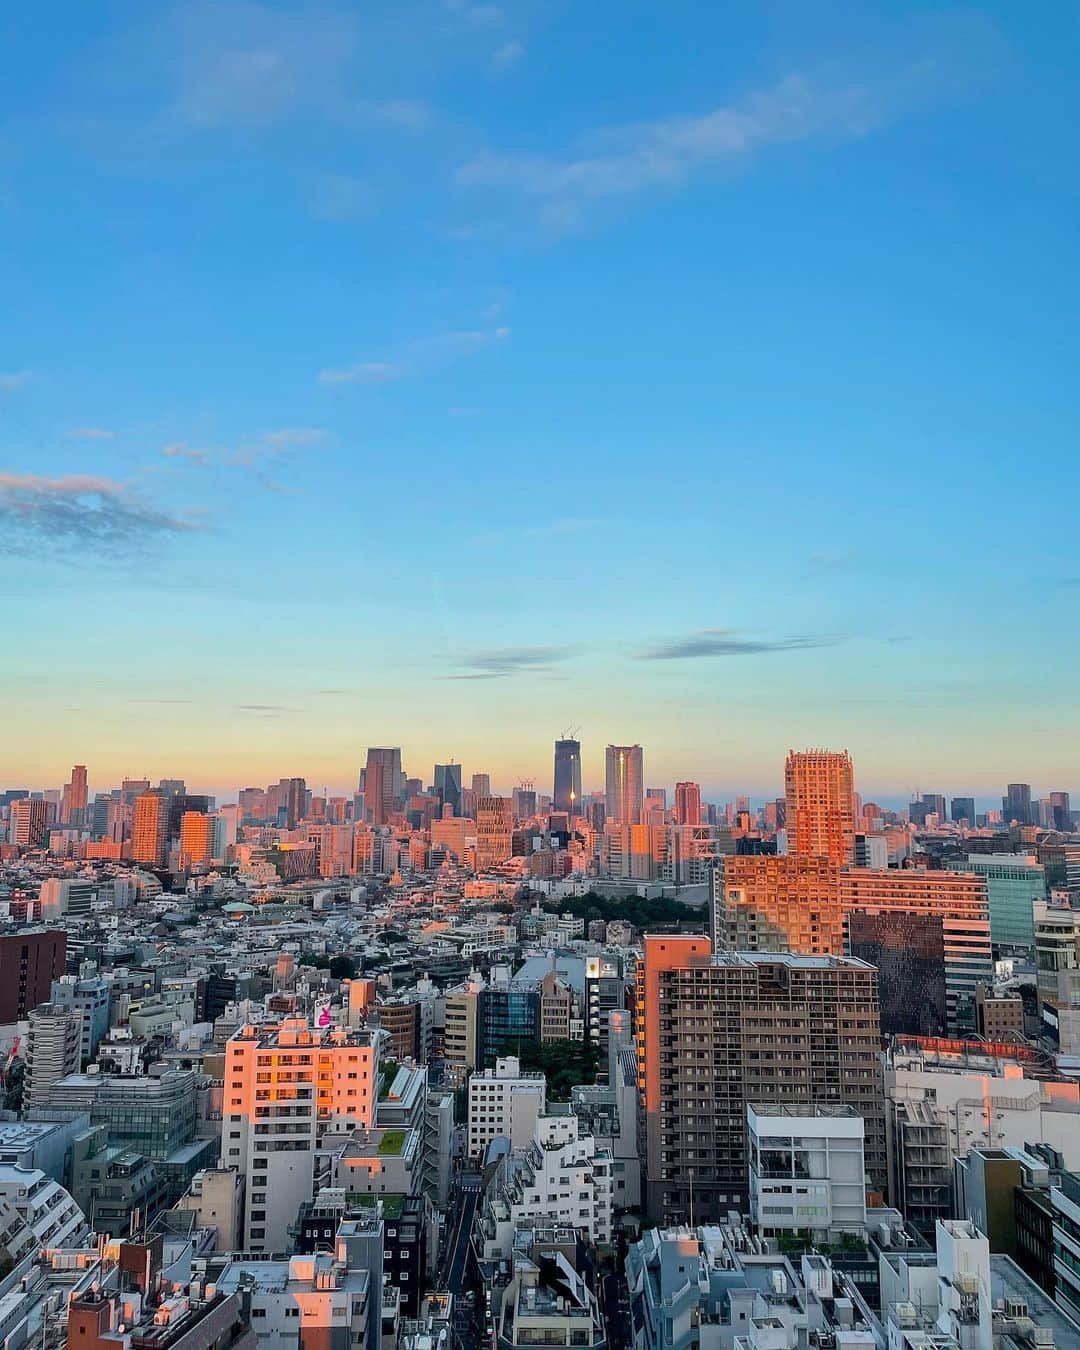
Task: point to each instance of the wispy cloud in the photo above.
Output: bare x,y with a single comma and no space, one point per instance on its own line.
90,434
621,161
179,450
364,372
730,642
503,662
479,15
12,380
341,197
294,436
419,356
262,708
238,64
509,54
77,513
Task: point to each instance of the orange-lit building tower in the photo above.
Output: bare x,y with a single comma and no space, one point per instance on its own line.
777,904
687,804
624,783
820,791
149,831
196,839
73,802
286,1083
494,831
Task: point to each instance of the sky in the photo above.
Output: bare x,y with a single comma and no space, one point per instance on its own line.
452,374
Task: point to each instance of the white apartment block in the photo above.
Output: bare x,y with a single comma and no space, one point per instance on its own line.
505,1102
807,1170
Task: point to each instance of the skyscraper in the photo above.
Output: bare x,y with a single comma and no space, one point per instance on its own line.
624,780
494,831
28,822
1016,804
149,831
73,803
447,781
1062,812
687,804
382,776
820,812
567,793
962,808
481,785
196,839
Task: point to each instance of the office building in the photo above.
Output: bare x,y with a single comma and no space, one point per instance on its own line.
907,949
1014,882
28,823
687,804
383,781
494,831
567,787
504,1102
150,829
74,799
820,804
789,903
447,783
625,783
718,1032
29,963
1060,811
962,811
284,1083
90,994
958,899
1016,805
481,785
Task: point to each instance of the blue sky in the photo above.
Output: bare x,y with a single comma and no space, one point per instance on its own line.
447,374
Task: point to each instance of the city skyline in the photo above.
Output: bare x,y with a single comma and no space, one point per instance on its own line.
543,784
688,399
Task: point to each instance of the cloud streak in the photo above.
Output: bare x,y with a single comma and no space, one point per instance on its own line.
80,513
421,355
503,662
13,380
623,161
712,642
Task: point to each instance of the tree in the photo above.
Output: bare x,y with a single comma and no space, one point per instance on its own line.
565,1064
342,968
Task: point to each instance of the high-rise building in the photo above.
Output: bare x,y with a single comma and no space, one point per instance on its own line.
687,804
777,904
382,783
716,1033
494,831
1061,810
567,787
150,829
447,782
284,1084
961,809
481,786
525,801
29,962
958,899
624,783
504,1101
196,839
28,822
820,795
73,802
1016,804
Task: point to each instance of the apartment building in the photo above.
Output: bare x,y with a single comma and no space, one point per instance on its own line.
505,1102
285,1084
716,1032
